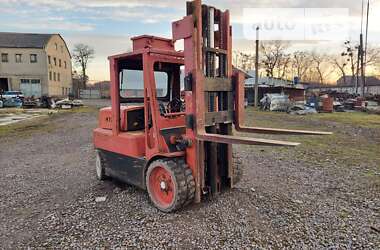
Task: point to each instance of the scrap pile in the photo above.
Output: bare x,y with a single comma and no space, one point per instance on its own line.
322,103
68,104
275,102
282,103
14,99
351,102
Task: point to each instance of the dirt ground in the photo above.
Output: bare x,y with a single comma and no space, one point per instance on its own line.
322,194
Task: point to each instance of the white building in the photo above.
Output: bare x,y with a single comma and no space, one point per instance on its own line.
35,64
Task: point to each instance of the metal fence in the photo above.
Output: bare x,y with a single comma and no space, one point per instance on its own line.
375,90
89,94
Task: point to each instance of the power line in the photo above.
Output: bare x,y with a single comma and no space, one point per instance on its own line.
366,35
362,17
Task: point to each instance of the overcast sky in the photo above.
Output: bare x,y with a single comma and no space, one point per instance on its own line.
107,25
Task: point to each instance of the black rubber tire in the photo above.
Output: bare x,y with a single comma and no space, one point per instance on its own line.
183,180
190,181
100,167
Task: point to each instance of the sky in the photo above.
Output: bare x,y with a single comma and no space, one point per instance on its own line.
107,25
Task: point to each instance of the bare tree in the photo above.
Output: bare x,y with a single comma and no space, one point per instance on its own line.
373,56
82,55
322,66
351,58
377,66
312,76
243,60
350,54
340,65
283,66
271,53
302,62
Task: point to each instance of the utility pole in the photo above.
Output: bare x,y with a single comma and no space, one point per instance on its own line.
357,71
257,69
360,55
362,64
364,53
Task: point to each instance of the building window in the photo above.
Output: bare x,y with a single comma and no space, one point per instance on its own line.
55,61
60,63
59,77
55,76
31,81
56,46
18,58
65,65
49,59
61,49
50,76
63,91
4,57
33,58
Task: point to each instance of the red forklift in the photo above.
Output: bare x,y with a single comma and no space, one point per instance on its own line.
170,127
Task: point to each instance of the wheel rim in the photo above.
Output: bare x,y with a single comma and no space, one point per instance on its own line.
161,186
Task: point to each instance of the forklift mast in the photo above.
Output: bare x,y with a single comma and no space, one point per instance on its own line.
214,95
209,94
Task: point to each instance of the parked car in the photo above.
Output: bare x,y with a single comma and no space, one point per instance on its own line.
13,103
12,94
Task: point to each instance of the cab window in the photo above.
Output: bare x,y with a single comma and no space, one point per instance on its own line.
132,83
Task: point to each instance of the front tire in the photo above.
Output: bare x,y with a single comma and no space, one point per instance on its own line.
170,184
100,167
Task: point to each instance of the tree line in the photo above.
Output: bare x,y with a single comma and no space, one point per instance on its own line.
276,61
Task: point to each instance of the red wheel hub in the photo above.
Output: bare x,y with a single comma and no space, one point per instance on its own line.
162,186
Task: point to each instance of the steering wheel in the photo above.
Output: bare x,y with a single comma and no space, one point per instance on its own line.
175,105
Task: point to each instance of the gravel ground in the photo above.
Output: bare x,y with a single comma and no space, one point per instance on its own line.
48,190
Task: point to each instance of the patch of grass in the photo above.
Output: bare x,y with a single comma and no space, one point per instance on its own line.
39,124
360,119
342,147
372,173
373,176
28,127
83,109
5,111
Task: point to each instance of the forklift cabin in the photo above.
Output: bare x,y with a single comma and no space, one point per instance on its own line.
149,113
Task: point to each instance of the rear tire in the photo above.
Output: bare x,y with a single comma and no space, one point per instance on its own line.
100,167
170,184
